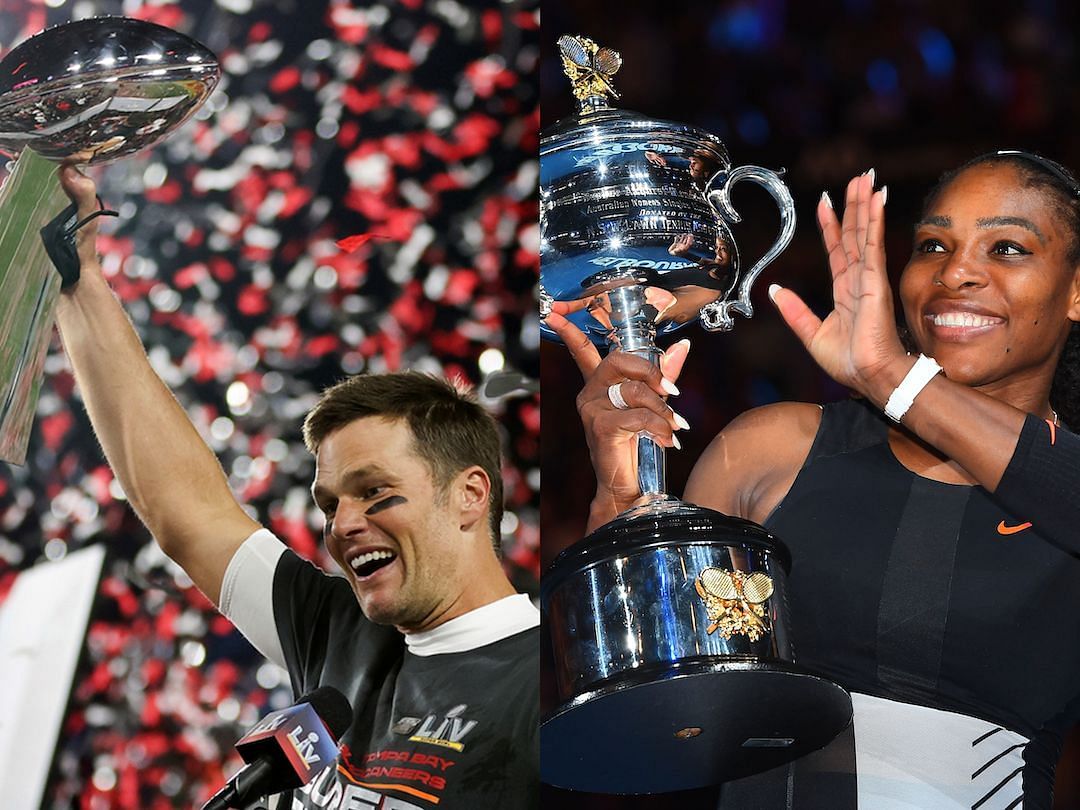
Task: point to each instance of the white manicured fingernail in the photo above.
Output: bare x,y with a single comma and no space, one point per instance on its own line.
669,386
871,173
679,420
884,194
685,343
773,290
675,441
825,198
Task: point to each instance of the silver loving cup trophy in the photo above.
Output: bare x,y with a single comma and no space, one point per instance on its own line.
674,663
100,89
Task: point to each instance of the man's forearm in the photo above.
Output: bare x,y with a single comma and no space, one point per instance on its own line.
171,477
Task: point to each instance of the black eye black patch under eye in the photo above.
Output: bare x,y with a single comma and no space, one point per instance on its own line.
386,503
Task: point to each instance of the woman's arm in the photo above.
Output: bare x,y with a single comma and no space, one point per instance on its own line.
858,345
751,464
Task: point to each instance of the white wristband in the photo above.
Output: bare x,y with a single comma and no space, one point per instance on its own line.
924,370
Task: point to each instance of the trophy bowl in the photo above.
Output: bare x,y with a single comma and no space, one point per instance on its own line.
625,200
628,200
674,662
106,86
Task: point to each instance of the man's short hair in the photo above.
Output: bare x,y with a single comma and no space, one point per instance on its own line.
450,430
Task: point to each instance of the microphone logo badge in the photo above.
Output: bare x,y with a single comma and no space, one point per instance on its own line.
305,747
269,723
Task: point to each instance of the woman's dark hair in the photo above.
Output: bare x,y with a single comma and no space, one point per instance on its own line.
1062,190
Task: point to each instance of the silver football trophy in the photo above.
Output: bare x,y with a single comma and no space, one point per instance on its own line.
674,662
99,89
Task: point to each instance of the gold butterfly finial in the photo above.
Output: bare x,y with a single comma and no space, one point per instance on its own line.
733,601
589,67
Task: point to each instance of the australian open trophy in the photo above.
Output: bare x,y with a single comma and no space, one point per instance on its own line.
674,664
99,89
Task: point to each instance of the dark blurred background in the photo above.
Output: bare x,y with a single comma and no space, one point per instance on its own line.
412,121
827,90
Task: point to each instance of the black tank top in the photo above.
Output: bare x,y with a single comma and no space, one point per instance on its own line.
926,593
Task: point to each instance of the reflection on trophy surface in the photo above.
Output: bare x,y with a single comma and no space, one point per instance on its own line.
93,90
668,625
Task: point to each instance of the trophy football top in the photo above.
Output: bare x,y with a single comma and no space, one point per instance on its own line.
105,86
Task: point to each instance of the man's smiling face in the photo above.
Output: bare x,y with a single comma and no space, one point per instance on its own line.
389,524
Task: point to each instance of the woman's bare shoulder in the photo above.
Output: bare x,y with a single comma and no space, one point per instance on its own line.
752,463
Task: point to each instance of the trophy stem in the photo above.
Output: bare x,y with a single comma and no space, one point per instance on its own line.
29,287
633,331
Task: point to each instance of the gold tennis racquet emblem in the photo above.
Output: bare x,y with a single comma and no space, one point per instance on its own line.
589,67
733,601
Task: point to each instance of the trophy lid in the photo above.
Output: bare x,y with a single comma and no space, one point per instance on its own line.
591,69
601,126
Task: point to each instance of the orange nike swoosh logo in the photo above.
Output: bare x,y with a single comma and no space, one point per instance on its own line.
1003,529
1053,430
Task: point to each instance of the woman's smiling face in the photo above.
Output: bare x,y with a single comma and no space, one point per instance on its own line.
990,288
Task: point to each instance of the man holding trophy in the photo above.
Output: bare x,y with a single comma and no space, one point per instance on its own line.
424,623
903,507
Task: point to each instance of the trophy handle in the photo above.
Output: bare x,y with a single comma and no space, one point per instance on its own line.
717,315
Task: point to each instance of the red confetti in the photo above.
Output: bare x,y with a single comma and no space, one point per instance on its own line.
54,428
351,243
220,626
390,58
170,16
189,276
260,31
295,199
285,80
252,300
322,346
167,193
222,269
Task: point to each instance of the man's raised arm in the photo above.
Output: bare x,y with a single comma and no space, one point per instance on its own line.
172,479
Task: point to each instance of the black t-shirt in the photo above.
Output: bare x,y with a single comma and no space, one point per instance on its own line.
932,595
920,591
456,730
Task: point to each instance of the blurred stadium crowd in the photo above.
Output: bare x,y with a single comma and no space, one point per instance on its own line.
410,125
827,90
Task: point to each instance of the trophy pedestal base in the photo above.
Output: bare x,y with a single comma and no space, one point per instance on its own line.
692,725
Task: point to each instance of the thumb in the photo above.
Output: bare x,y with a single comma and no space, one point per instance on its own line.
79,187
796,314
671,361
582,350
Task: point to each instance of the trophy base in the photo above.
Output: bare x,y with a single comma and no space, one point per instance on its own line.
691,725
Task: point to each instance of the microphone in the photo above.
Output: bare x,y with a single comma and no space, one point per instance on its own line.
287,748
